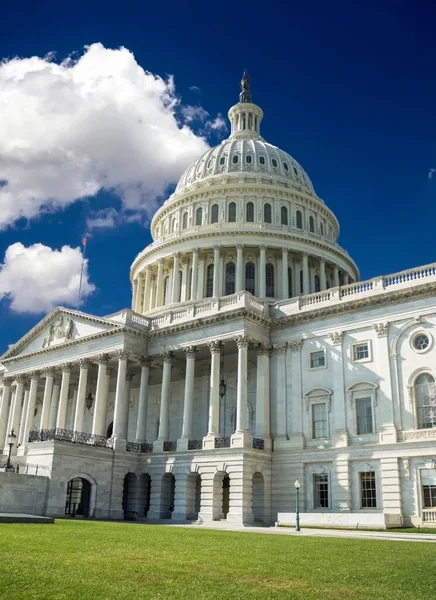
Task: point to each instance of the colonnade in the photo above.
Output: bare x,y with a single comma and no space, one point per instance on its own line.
19,395
266,272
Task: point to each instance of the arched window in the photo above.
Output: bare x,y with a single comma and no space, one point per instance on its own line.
189,286
179,299
250,278
199,216
269,280
289,282
249,212
267,213
425,398
311,224
230,278
173,224
232,212
185,220
214,214
301,281
167,290
321,229
317,284
299,217
284,215
209,282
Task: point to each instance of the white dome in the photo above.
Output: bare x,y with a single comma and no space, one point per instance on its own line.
247,154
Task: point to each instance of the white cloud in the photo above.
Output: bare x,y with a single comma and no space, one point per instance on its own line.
218,124
99,122
105,218
38,278
194,113
430,173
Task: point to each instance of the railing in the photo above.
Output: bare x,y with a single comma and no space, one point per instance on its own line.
258,444
195,444
169,446
142,448
67,435
222,442
429,516
28,468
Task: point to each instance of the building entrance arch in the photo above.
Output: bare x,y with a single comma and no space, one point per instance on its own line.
78,497
258,498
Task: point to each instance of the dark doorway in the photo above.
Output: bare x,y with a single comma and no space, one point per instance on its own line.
110,430
78,497
226,496
168,495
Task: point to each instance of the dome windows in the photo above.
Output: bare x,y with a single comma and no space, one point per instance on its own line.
248,159
261,160
284,215
199,216
299,219
274,163
214,214
250,278
295,171
311,224
269,280
249,212
185,220
209,164
230,278
286,166
267,213
235,159
222,161
232,213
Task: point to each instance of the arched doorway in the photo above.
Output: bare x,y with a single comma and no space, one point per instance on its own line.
144,495
78,497
258,498
110,430
130,490
193,496
168,495
221,496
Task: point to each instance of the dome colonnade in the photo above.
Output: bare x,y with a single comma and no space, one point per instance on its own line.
244,216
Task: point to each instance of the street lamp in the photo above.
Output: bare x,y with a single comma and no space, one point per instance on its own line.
297,506
89,400
11,441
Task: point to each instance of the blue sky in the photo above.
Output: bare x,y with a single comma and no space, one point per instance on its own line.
347,88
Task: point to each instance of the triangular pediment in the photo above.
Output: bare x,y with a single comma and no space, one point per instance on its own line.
60,327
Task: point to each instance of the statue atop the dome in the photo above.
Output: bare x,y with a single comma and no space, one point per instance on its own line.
245,95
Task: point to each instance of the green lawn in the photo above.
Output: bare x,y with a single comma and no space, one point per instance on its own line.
115,561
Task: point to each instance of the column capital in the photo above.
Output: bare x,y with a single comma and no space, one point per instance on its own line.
280,348
48,372
66,367
214,346
167,356
195,251
285,251
7,382
26,385
242,341
57,380
239,247
217,249
122,354
145,361
160,262
262,248
295,345
103,359
34,375
84,363
21,378
175,255
336,337
263,349
381,329
190,351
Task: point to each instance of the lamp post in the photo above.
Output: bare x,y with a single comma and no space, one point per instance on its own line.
222,390
11,441
297,506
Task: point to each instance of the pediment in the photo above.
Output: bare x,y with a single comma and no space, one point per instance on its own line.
60,327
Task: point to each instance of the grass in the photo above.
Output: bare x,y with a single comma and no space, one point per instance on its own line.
419,529
83,560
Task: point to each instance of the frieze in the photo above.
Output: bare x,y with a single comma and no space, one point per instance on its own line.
61,330
421,434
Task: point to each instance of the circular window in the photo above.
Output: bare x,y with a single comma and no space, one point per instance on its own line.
274,162
421,342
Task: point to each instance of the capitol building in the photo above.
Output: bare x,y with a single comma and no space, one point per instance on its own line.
252,356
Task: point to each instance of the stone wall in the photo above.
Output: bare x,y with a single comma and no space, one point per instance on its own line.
23,493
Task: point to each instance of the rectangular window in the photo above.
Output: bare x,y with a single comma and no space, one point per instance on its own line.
319,421
317,359
428,482
321,491
368,490
361,351
364,416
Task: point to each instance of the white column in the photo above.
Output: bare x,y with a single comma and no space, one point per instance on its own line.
305,274
280,379
63,398
262,427
216,272
164,422
45,412
322,277
159,283
147,291
195,274
101,393
23,414
129,378
200,288
4,406
34,376
175,288
120,423
242,390
190,353
141,425
239,268
214,394
346,278
54,402
81,394
262,265
185,270
73,405
285,274
335,276
14,415
135,295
